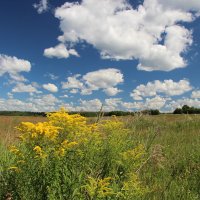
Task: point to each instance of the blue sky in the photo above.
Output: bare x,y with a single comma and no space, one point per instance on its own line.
128,55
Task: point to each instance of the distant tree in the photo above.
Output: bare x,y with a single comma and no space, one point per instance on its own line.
154,112
178,111
185,109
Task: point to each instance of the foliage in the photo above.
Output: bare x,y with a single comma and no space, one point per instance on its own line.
67,158
187,110
118,113
178,111
154,112
21,113
82,113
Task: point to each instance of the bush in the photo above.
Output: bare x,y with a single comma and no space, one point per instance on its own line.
66,158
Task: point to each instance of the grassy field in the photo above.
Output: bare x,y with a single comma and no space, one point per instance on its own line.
174,144
171,169
8,132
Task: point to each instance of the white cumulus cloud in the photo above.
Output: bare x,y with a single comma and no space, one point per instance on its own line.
72,82
171,106
60,51
155,103
50,87
196,94
14,66
167,87
103,79
192,5
112,91
21,87
151,33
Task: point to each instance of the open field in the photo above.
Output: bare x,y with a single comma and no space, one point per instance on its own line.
8,133
171,169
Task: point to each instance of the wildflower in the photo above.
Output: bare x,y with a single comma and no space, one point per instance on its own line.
14,168
13,149
61,152
67,145
38,149
39,152
33,131
64,143
21,137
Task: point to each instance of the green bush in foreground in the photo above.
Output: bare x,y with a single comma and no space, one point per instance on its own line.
66,158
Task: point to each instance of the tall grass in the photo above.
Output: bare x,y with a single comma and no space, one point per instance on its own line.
141,157
173,170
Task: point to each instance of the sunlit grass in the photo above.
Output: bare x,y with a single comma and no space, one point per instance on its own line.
137,157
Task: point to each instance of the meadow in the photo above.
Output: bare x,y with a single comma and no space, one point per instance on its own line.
70,157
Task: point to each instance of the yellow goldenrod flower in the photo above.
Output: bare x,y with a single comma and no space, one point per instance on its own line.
13,149
14,168
39,152
64,143
67,145
61,151
37,149
72,144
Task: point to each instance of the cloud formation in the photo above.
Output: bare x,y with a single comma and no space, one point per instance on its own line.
171,106
42,6
122,32
167,87
196,94
60,51
14,66
41,103
22,88
103,79
47,103
50,87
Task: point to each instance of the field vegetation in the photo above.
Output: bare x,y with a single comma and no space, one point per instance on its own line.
71,157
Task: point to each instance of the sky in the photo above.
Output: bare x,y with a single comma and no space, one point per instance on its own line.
125,54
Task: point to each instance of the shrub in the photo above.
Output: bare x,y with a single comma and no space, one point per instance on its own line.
67,158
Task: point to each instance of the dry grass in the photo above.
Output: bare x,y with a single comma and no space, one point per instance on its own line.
8,133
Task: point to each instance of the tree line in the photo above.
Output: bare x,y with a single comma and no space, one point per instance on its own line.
82,113
184,110
187,110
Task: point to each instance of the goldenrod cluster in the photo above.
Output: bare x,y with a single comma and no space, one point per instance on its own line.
32,131
67,152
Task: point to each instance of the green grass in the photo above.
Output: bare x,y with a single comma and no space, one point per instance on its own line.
171,170
173,143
